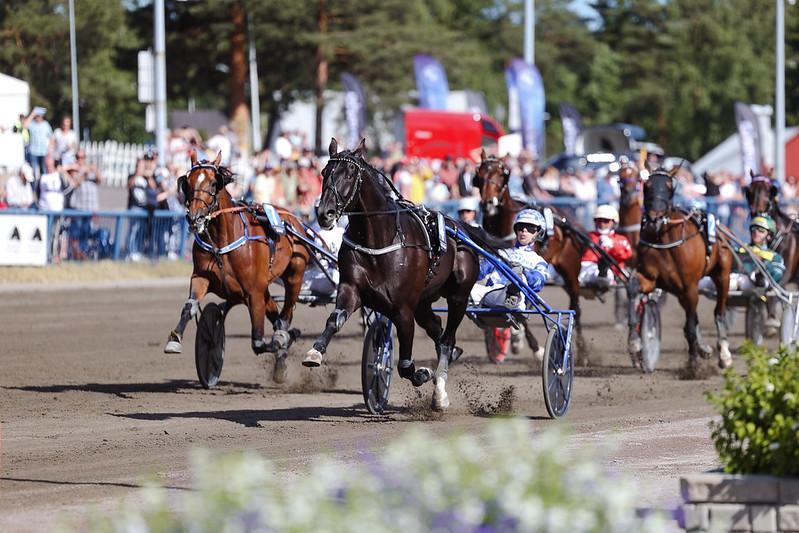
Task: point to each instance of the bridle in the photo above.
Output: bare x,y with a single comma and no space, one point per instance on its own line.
768,197
501,186
343,203
190,193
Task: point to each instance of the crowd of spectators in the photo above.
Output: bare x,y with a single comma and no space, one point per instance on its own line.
57,176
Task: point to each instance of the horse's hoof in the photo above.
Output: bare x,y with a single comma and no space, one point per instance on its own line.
421,376
313,358
280,374
440,397
173,344
725,361
704,350
770,331
457,351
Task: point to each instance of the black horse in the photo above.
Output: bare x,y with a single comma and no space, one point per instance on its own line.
396,259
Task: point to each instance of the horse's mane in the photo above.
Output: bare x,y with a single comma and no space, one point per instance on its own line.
226,174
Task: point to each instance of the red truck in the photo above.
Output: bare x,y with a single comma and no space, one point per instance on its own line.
435,134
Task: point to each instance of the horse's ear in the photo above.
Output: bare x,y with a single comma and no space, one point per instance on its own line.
483,154
361,148
193,157
752,173
218,158
333,148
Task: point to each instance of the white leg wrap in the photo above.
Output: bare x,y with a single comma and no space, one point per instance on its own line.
440,398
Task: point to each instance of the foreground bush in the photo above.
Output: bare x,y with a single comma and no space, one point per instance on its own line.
758,432
502,480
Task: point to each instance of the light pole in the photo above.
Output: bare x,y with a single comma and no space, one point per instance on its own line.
160,81
779,118
74,68
529,31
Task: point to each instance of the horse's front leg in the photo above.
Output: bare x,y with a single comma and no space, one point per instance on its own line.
720,314
347,301
260,306
198,288
689,299
634,346
572,287
445,345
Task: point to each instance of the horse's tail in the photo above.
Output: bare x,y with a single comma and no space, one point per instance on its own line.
486,241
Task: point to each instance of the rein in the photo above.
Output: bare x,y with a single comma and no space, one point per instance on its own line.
665,246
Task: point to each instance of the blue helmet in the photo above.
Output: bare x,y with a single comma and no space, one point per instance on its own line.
533,218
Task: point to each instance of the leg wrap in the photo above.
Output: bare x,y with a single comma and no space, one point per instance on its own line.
193,306
406,368
337,319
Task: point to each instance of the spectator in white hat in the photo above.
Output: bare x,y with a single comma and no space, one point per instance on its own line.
19,188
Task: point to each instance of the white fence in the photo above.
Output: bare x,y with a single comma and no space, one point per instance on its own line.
116,160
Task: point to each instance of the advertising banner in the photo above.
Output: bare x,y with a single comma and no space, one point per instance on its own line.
572,123
749,132
431,82
23,240
354,109
530,88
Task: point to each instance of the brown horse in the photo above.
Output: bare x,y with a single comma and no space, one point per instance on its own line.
762,195
396,260
236,258
563,249
674,255
630,208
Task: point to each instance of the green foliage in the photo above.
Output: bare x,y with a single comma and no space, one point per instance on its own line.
499,481
675,67
759,429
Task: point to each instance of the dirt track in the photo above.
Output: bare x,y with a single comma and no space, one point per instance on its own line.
89,404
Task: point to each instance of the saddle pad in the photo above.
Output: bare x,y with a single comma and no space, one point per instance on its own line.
275,222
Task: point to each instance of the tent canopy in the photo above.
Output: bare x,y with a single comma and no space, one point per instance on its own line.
15,98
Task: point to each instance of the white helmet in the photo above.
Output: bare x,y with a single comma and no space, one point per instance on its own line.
534,218
608,212
469,203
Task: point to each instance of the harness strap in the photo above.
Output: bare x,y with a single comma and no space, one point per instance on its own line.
631,227
371,251
235,244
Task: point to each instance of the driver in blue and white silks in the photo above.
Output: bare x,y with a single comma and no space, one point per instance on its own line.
492,289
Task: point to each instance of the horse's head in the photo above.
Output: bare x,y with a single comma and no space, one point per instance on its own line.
341,183
201,187
629,184
491,177
761,194
658,194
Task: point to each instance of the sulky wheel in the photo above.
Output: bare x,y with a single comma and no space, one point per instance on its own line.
558,373
789,327
650,336
377,365
209,345
756,321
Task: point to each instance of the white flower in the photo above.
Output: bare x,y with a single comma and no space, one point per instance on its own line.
769,386
773,361
774,446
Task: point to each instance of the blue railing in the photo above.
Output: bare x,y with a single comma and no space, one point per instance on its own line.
133,235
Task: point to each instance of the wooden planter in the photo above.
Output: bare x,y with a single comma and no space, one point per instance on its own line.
727,502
